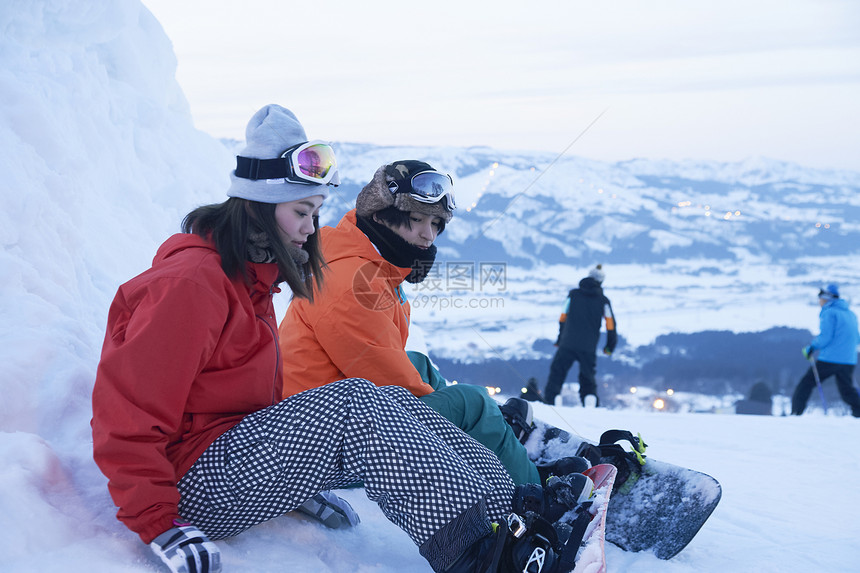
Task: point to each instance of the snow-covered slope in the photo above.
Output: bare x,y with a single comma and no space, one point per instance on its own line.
100,163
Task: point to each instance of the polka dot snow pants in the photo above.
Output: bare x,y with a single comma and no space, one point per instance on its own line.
422,470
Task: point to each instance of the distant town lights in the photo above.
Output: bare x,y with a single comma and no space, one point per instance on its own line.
659,404
484,188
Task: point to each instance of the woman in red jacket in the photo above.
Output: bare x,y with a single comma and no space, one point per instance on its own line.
188,421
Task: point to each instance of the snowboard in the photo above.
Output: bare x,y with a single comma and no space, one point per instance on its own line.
591,557
658,507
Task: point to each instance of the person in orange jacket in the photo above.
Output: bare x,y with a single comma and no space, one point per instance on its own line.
358,323
189,425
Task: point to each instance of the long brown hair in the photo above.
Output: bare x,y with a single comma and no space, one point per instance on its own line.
229,225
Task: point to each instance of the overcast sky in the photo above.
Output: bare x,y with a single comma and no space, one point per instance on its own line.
675,79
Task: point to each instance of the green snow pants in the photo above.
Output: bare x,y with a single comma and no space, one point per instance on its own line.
472,410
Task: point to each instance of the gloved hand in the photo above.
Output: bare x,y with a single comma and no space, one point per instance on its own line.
185,549
606,351
807,351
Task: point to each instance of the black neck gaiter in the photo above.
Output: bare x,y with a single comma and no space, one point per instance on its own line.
397,251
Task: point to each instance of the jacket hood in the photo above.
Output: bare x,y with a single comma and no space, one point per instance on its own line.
180,242
590,287
264,276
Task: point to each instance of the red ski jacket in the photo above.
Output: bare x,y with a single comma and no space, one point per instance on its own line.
187,354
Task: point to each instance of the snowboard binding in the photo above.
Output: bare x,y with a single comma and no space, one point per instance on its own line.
518,413
609,451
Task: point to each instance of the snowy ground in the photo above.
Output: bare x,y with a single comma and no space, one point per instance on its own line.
775,514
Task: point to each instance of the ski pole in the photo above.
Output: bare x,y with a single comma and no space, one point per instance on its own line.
818,382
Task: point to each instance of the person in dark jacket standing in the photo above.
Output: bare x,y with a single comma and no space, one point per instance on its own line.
579,333
836,345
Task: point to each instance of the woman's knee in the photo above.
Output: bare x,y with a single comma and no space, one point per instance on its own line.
352,385
396,393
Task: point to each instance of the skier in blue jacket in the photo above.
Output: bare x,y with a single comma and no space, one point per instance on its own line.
837,352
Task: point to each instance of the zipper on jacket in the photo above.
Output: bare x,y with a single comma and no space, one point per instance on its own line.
275,339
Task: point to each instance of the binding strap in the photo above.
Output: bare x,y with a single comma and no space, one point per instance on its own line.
636,442
567,557
494,557
608,451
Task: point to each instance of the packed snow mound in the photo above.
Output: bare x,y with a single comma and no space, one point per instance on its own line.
101,161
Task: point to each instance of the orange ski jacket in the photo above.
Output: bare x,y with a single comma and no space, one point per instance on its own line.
357,325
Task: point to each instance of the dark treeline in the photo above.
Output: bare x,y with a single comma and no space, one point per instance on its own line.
708,362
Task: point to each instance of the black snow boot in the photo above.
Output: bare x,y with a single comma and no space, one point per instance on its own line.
562,467
518,413
564,503
559,496
527,545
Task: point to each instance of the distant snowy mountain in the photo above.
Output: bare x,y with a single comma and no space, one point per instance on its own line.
687,246
535,208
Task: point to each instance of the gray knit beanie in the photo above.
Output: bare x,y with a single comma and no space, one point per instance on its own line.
270,132
376,195
597,274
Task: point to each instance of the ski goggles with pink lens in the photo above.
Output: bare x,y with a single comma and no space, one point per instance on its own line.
308,163
428,187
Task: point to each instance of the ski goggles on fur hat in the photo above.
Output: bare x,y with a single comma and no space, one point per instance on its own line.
308,163
427,187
